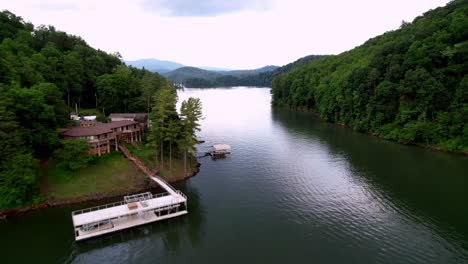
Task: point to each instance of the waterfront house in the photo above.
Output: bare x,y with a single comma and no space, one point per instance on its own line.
101,137
87,123
141,118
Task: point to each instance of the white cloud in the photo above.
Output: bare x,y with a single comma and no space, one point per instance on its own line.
244,38
203,7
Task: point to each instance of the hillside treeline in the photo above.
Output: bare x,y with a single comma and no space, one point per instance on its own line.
409,85
45,74
262,77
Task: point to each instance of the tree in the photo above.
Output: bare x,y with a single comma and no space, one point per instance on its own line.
191,113
172,132
17,179
44,71
73,76
162,113
150,83
73,155
404,85
17,165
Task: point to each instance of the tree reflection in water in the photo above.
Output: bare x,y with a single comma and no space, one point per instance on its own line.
165,237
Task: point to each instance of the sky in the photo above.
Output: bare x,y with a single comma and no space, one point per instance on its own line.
235,34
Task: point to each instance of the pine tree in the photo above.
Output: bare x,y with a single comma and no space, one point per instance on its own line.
191,113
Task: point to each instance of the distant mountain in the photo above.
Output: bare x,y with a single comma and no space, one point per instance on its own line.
196,77
252,72
208,68
155,65
186,73
265,78
262,77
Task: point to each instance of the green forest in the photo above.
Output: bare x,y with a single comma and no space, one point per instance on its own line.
44,75
409,85
262,77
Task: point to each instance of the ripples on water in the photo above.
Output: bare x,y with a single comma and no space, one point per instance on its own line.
317,188
295,189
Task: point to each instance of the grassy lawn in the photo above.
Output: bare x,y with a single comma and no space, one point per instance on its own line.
147,155
110,172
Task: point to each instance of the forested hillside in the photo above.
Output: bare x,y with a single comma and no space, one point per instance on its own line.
45,74
409,85
185,74
200,78
264,79
261,77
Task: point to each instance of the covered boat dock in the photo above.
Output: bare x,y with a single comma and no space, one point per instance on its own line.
134,210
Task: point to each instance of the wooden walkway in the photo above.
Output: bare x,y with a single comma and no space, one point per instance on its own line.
150,173
140,165
109,218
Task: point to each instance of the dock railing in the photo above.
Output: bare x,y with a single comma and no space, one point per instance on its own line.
105,206
165,185
181,194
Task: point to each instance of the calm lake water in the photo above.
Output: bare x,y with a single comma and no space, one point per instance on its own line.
295,189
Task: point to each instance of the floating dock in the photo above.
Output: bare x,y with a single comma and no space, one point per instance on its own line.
220,149
134,210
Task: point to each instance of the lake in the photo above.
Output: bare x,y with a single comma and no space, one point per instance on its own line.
294,189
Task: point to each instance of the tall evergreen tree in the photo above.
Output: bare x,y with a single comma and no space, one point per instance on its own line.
191,114
163,112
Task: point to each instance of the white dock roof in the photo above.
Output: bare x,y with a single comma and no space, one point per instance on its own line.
218,147
122,210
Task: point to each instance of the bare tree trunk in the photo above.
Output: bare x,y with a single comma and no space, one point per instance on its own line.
68,100
170,155
162,155
148,106
185,163
156,159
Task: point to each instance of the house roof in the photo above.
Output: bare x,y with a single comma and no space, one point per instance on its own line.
117,124
134,116
98,129
86,131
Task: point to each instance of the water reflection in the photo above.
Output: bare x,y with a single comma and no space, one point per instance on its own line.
294,189
413,181
157,239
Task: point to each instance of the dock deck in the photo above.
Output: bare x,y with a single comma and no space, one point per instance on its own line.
133,211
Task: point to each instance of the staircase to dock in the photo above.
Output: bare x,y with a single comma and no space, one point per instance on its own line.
149,172
140,165
145,208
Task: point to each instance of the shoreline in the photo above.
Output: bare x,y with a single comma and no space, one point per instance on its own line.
92,197
419,145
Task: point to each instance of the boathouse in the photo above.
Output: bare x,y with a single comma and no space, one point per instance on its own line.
134,210
220,149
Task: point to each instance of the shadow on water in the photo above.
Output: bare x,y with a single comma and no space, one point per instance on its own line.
431,185
47,236
162,238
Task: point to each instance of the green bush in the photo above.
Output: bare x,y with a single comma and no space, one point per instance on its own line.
73,155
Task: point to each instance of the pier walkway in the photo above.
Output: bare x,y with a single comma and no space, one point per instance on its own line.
134,210
140,165
148,172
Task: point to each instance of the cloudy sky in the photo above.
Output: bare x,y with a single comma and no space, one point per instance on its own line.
237,34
